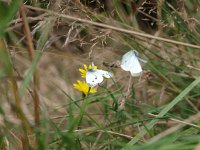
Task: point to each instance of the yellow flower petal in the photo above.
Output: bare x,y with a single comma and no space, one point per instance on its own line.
95,67
93,90
85,70
81,70
85,66
83,73
83,87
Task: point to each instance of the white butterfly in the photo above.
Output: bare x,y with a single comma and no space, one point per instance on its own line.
130,62
95,77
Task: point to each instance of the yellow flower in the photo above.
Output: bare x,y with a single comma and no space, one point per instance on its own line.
83,87
85,70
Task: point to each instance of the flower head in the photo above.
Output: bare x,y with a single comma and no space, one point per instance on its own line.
83,87
85,69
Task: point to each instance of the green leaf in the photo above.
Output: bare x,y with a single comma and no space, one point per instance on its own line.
41,43
7,12
163,112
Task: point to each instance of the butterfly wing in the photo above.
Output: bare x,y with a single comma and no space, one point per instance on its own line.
135,67
131,63
93,78
125,63
104,73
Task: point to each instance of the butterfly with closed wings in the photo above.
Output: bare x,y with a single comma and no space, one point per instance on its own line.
130,62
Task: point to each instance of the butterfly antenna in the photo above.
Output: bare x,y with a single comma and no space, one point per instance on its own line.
92,66
136,52
139,58
142,60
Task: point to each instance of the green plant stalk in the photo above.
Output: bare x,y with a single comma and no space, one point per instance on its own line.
38,54
82,111
31,52
7,64
163,112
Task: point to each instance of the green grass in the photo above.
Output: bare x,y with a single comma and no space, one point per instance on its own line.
161,107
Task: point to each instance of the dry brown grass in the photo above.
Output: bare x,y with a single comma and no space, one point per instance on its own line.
72,43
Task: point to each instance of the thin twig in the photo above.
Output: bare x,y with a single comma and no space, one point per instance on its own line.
93,129
175,128
178,121
31,52
115,28
27,32
97,139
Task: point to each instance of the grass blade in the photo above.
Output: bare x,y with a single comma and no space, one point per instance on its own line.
163,112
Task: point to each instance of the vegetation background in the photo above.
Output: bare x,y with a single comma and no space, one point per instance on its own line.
43,43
